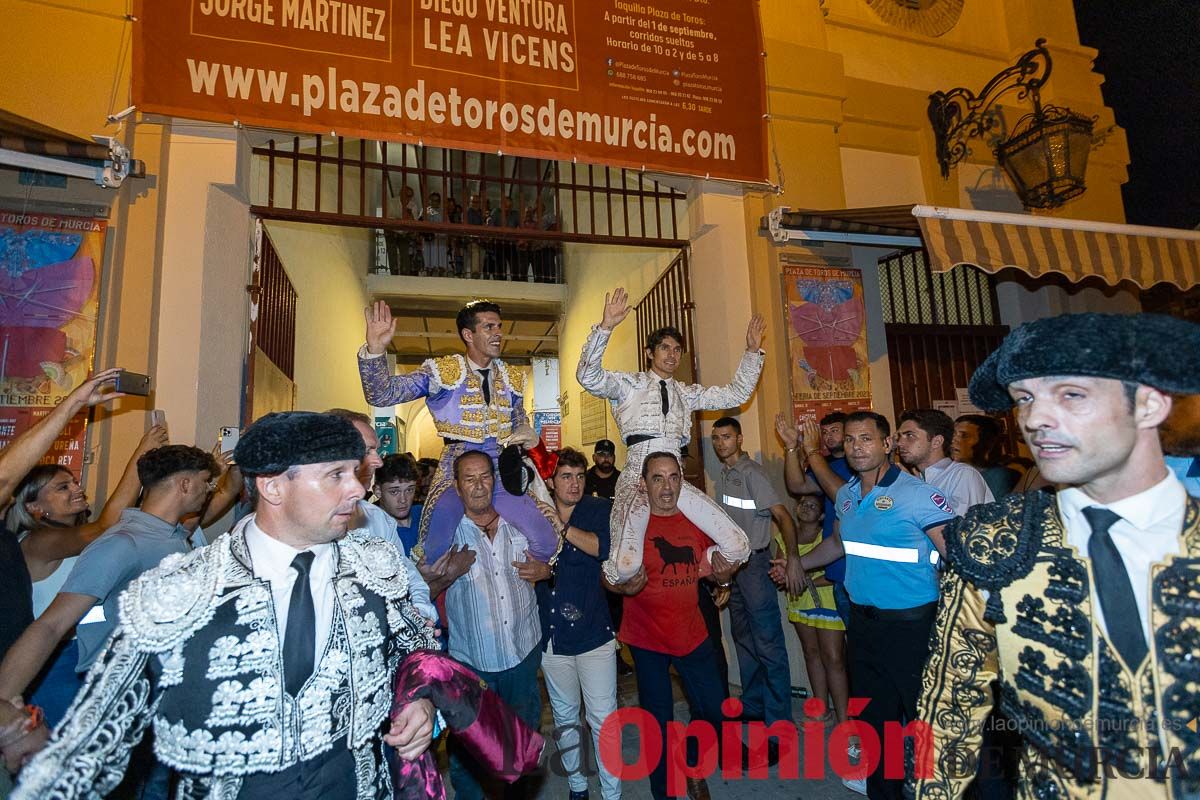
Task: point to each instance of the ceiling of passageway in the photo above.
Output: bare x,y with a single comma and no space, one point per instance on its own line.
425,328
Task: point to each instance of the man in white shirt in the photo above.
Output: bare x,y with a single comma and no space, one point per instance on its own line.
653,412
492,611
923,444
1082,605
264,662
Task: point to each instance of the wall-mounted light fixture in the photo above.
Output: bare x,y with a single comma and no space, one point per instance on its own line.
1046,155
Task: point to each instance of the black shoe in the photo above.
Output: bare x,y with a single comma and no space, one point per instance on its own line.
754,759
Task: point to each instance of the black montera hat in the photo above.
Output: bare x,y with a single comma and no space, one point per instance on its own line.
294,438
1151,349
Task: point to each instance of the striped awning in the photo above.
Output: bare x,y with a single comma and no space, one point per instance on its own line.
1075,248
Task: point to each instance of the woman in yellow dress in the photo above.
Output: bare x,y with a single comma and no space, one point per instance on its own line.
815,617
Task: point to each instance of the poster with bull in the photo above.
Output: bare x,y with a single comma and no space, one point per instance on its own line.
49,297
827,340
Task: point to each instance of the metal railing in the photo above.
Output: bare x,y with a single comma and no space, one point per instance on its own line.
452,193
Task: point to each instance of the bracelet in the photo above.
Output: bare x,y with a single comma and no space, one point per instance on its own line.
791,449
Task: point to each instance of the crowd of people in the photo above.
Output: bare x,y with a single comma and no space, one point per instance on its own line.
481,256
359,605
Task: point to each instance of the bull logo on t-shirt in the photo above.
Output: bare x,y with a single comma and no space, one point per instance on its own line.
673,554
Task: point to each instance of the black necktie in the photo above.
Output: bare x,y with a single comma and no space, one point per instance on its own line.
300,640
662,392
487,390
1121,615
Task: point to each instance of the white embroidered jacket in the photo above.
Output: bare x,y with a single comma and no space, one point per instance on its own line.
636,397
197,655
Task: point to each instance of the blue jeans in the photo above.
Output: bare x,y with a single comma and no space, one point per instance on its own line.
758,638
702,682
517,686
56,687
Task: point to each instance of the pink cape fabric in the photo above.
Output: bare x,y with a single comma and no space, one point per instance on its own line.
483,723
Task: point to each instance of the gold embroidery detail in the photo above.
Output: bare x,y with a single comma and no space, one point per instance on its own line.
449,370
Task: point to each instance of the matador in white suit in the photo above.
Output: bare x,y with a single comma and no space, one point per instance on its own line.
654,413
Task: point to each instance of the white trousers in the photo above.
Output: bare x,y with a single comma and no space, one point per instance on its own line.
594,676
631,516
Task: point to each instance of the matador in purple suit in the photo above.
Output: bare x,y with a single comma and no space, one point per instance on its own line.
476,403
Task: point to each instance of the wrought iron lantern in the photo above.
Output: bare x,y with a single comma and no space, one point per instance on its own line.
1045,156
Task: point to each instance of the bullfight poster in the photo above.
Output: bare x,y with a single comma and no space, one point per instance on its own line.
827,340
49,297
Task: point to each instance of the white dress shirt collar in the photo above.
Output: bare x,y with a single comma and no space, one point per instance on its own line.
1148,533
931,472
1144,510
271,559
475,367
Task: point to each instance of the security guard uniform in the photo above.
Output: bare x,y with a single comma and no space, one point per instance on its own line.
891,577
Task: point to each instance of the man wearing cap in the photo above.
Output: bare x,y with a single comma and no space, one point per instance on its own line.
601,479
477,403
264,662
1083,605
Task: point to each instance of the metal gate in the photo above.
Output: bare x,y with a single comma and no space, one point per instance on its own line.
272,321
669,303
940,327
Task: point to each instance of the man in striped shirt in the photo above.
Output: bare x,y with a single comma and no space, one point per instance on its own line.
492,611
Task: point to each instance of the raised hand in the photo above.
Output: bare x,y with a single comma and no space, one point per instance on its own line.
153,439
381,328
811,432
93,391
755,332
787,430
616,309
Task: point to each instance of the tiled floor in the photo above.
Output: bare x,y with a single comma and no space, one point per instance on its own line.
555,786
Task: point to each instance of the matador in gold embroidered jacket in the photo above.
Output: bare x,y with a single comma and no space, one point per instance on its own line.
1017,608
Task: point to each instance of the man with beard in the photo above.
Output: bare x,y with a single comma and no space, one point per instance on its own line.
889,527
579,650
1082,604
922,443
476,401
264,661
602,477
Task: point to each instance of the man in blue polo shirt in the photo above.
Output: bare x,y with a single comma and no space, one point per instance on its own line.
889,528
579,658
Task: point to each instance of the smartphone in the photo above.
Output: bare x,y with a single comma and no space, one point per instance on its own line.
132,383
228,438
158,417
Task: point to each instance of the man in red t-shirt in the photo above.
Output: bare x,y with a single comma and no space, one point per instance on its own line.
662,624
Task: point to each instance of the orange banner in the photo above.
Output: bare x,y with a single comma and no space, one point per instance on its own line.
669,85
